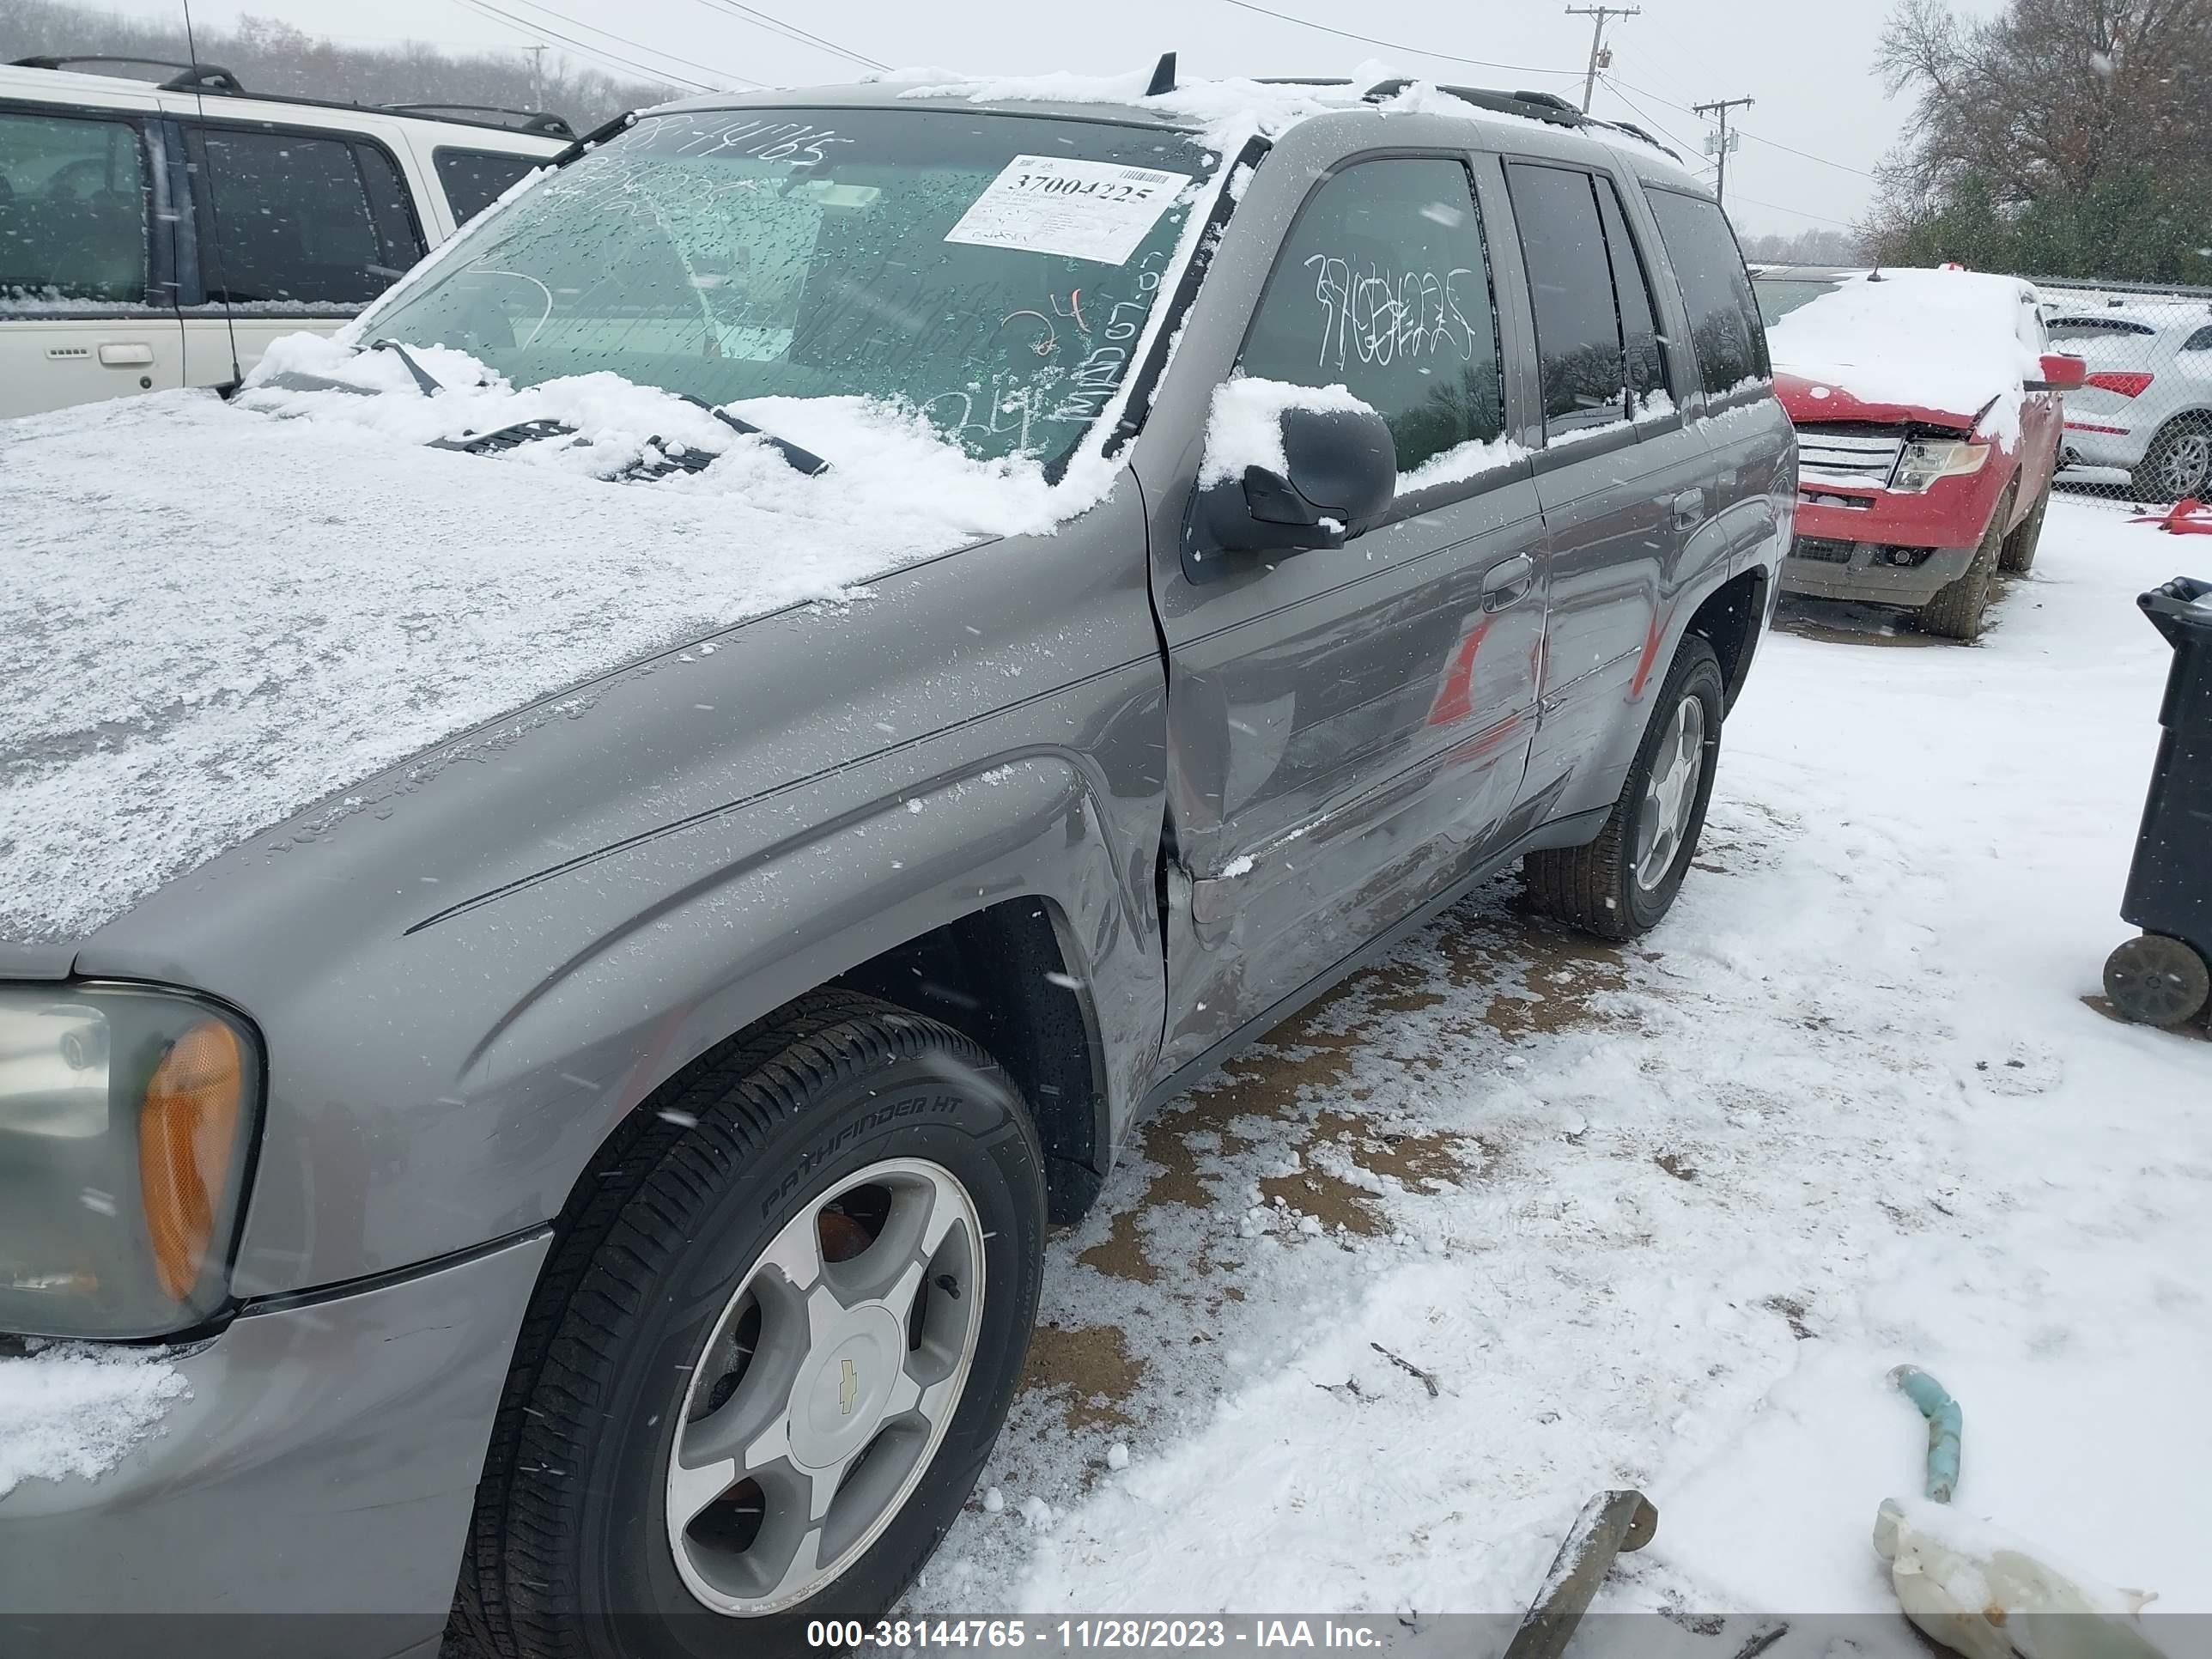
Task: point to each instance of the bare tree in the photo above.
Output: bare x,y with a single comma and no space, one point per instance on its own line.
2074,133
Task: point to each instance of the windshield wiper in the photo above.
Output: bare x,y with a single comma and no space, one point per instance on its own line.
802,460
430,388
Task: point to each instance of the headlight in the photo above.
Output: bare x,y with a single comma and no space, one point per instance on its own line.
125,1119
1926,459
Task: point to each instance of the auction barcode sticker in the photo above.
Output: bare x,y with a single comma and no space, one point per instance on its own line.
1057,204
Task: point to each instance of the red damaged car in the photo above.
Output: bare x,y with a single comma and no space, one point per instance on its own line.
1927,407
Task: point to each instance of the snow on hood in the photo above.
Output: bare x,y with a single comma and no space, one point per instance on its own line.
1941,342
212,615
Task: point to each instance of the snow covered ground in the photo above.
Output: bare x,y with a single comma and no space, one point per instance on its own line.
1666,1215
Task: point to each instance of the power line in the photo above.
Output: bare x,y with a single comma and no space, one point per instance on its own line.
1617,84
600,55
1395,45
792,31
1614,85
637,46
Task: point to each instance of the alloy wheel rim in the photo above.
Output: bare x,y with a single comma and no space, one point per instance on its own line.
826,1387
2187,459
1670,794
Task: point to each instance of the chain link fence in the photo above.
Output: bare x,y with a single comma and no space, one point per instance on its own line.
2141,430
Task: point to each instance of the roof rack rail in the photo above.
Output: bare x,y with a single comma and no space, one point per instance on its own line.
1548,107
214,79
524,120
190,77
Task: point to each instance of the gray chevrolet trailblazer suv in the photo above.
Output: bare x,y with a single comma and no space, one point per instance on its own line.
586,868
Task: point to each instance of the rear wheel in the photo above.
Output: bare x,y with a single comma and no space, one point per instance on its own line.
2018,557
768,1356
1622,884
2178,463
1957,612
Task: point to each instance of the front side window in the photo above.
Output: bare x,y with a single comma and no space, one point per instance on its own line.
74,199
1383,286
286,223
993,272
1578,316
1725,333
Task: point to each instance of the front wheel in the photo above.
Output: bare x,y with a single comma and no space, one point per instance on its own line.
2018,557
770,1354
1958,610
2154,979
1622,884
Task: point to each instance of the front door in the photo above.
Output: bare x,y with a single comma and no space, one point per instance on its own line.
85,310
1348,728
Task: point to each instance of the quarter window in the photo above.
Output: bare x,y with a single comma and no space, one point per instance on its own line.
1384,288
73,213
289,223
474,178
1730,340
2200,341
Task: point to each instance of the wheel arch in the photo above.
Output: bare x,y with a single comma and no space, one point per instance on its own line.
1730,619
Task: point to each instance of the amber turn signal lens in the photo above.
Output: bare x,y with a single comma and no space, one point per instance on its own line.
187,1136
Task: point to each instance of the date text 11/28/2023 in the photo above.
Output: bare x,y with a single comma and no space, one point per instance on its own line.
1083,1635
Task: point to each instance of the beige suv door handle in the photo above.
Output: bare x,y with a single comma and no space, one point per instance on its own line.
119,355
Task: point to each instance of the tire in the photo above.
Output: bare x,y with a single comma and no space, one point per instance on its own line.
2154,979
2018,556
1622,884
1957,612
696,1222
2178,462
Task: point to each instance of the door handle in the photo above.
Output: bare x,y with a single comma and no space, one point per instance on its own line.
1689,508
1509,583
126,355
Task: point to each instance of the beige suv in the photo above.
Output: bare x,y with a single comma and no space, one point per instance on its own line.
156,235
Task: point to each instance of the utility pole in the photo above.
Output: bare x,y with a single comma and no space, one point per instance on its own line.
1599,57
536,77
1721,145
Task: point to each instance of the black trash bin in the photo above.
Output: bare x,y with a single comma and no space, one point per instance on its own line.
2165,977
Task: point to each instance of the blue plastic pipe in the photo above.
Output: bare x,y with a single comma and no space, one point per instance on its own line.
1945,1424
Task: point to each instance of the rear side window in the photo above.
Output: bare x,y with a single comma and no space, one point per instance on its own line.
475,179
2096,328
73,214
286,222
1383,286
1728,339
1597,335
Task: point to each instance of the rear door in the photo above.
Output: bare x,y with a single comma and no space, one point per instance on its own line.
1348,728
86,304
292,229
1621,478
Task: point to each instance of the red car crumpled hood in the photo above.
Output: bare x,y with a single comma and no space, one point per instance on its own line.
1826,400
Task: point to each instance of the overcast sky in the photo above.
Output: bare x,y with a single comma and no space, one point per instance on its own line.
1808,63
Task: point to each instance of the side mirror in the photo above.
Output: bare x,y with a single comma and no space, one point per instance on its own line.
2061,373
1340,469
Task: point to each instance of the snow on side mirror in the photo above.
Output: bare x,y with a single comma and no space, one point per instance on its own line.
1289,469
2061,373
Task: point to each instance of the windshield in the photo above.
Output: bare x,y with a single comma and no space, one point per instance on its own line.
1777,298
993,272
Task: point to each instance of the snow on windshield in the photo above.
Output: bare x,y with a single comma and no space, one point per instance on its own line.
1943,339
993,274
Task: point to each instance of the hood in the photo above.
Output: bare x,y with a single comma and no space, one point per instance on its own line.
1939,346
1807,399
215,617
